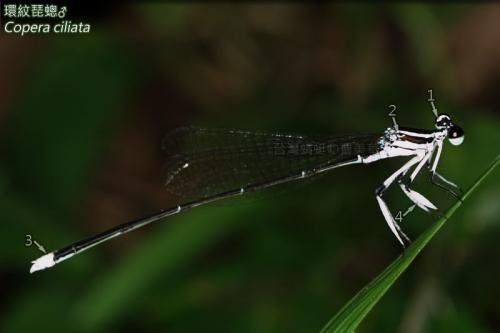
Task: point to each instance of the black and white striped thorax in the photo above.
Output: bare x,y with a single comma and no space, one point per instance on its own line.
412,138
406,142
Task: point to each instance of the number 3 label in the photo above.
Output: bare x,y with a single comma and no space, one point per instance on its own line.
29,240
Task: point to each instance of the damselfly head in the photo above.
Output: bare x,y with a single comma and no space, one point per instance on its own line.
455,133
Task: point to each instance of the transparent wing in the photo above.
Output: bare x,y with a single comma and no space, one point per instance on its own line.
204,162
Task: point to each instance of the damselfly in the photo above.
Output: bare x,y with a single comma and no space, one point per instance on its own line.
212,165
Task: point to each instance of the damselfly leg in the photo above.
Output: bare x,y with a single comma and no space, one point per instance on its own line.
417,198
440,181
389,218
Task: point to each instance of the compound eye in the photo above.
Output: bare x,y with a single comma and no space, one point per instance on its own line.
455,135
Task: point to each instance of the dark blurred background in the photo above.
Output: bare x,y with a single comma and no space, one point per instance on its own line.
81,123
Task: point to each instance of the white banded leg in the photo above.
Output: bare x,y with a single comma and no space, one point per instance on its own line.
395,228
417,198
389,218
438,156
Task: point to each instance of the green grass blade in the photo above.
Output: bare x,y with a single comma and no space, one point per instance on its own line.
351,315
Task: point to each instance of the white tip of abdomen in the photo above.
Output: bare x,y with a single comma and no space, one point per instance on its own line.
43,262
